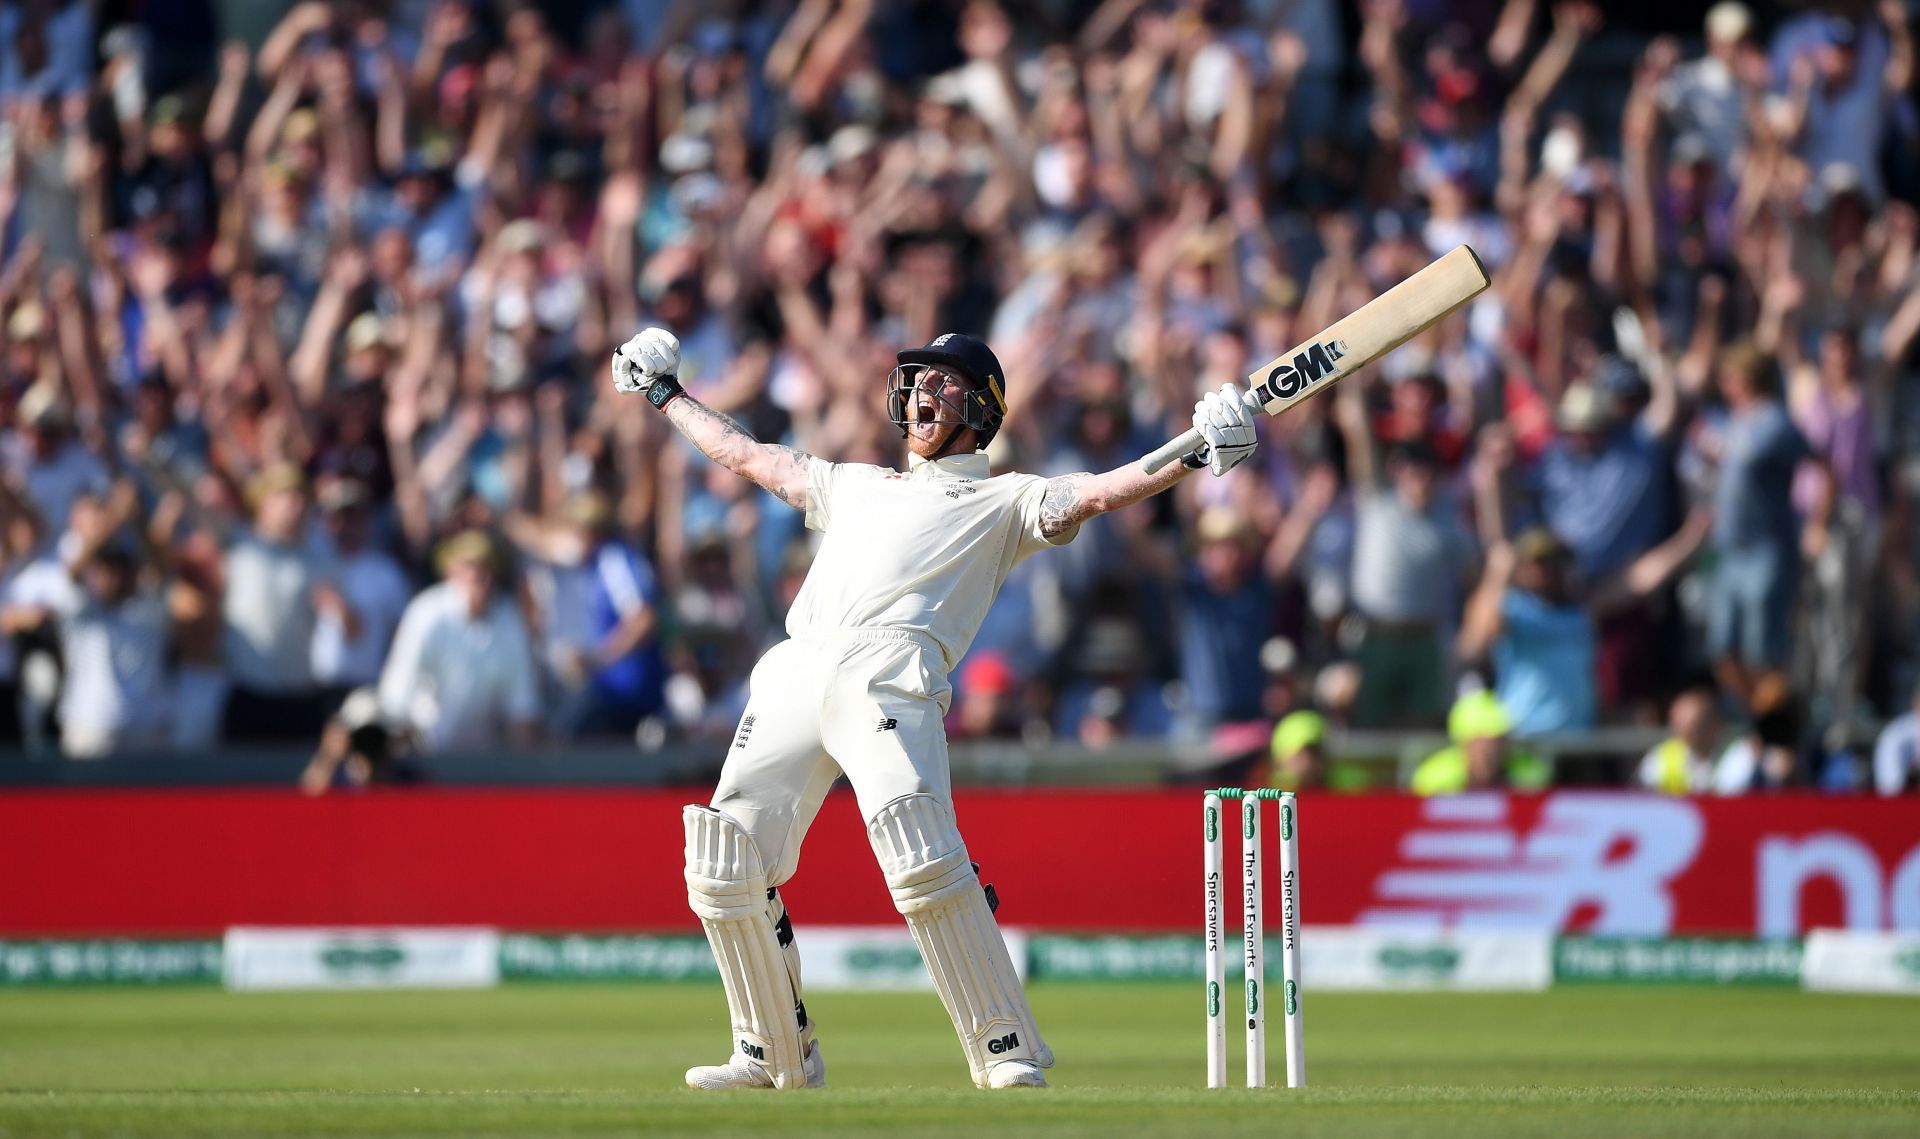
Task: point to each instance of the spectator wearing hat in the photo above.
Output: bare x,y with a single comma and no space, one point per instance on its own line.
51,465
1301,761
1840,78
1540,620
1481,758
276,583
603,618
1226,613
987,701
1411,558
1705,98
370,591
461,672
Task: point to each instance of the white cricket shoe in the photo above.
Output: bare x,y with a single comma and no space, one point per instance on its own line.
740,1073
1015,1074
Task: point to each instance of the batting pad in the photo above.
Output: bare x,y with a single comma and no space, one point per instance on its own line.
934,885
727,888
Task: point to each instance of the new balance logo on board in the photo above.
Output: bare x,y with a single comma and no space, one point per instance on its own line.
887,725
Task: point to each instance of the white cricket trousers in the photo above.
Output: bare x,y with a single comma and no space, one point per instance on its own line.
868,702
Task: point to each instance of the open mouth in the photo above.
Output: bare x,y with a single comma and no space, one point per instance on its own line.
925,412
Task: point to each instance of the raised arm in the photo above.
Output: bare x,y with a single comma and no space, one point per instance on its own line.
1072,499
1224,422
647,365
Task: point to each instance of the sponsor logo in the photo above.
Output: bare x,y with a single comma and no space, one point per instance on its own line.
1006,1043
1249,811
1419,958
1317,362
960,488
1908,962
887,724
1286,820
1253,999
1213,824
882,958
1609,860
1213,999
756,1051
1289,909
746,729
1293,998
1213,910
346,956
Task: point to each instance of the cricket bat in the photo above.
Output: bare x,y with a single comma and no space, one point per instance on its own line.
1381,325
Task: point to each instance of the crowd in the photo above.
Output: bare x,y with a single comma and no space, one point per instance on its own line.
306,430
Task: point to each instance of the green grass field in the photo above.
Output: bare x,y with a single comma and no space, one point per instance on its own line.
606,1060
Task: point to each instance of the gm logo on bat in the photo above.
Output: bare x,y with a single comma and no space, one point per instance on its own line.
1289,381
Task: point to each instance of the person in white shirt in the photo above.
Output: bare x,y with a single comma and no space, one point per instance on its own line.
461,674
908,566
1896,754
356,618
112,634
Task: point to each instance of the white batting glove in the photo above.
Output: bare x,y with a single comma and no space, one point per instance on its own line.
1226,422
646,358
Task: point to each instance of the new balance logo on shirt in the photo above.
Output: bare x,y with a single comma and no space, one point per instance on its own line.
887,725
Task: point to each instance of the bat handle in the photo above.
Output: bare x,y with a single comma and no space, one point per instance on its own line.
1186,441
1170,450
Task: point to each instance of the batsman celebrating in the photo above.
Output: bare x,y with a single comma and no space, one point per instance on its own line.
903,579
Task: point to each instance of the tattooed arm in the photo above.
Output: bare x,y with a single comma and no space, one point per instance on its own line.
782,470
1072,499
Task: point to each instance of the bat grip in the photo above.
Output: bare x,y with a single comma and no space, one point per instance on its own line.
1170,450
1186,441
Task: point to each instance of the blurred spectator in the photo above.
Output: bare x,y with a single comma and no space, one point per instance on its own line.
1481,757
1224,615
1756,532
604,615
1683,763
112,633
1411,558
1300,760
275,586
1896,755
1766,756
1537,619
461,672
987,704
355,622
358,750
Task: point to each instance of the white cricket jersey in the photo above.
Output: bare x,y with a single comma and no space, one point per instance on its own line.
923,552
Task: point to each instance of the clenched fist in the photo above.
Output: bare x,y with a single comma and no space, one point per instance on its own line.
644,361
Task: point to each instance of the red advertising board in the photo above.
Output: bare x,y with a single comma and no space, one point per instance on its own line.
179,862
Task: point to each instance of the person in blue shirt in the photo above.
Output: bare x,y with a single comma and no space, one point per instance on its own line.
1757,533
629,669
1535,619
